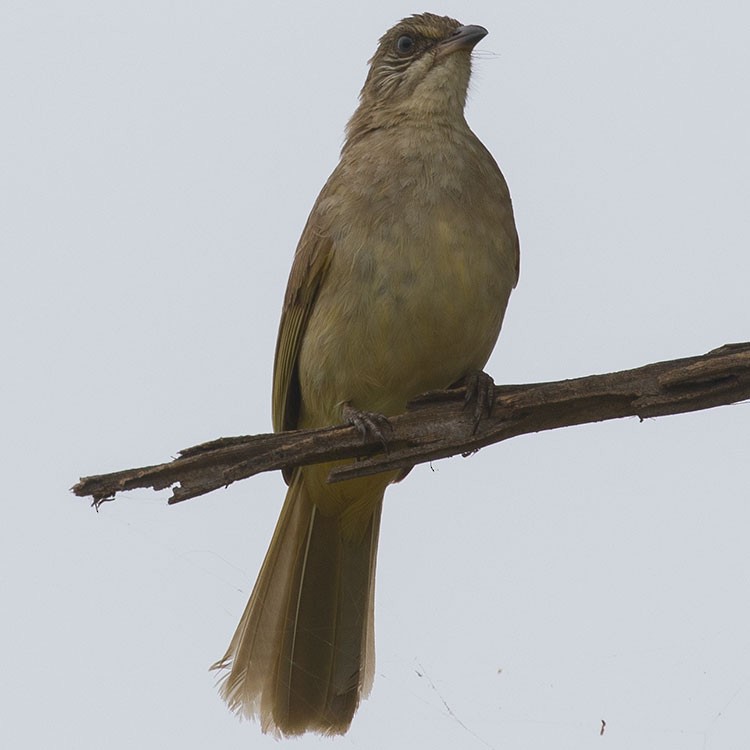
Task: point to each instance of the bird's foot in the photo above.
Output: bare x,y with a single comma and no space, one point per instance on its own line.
370,425
480,388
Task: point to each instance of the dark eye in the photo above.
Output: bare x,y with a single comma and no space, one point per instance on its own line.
405,45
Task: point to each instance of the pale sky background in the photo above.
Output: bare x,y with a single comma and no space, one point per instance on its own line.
157,163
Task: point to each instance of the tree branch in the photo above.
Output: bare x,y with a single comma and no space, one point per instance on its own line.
437,426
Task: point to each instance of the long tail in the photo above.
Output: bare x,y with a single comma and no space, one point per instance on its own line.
303,653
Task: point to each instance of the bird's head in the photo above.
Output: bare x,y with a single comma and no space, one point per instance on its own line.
420,69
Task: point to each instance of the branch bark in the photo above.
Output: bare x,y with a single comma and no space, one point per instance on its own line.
436,425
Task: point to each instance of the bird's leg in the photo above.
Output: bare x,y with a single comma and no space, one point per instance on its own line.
370,424
480,388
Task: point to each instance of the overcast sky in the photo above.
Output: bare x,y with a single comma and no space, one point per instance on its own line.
157,163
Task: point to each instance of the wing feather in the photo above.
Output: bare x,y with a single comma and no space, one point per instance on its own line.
309,268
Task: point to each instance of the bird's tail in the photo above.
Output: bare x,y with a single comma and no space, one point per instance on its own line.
303,653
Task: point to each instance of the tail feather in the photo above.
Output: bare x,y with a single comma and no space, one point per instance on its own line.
303,653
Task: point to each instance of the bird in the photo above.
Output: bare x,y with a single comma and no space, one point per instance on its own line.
399,286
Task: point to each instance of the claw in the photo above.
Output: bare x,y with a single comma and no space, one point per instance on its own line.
480,388
369,424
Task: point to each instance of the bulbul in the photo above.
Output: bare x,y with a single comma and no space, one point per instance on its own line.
399,286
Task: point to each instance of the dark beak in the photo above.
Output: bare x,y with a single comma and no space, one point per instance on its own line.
464,37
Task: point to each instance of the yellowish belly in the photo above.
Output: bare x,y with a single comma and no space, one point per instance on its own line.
394,320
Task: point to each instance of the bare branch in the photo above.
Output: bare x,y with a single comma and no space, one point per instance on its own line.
437,426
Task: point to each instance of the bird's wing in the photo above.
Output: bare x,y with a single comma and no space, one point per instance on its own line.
309,268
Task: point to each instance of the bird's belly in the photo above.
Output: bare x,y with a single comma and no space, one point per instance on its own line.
405,322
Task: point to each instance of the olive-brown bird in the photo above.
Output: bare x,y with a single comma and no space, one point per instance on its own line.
399,286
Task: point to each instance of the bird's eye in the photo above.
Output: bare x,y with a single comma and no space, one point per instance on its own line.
405,45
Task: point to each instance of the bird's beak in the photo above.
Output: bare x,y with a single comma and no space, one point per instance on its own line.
464,37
